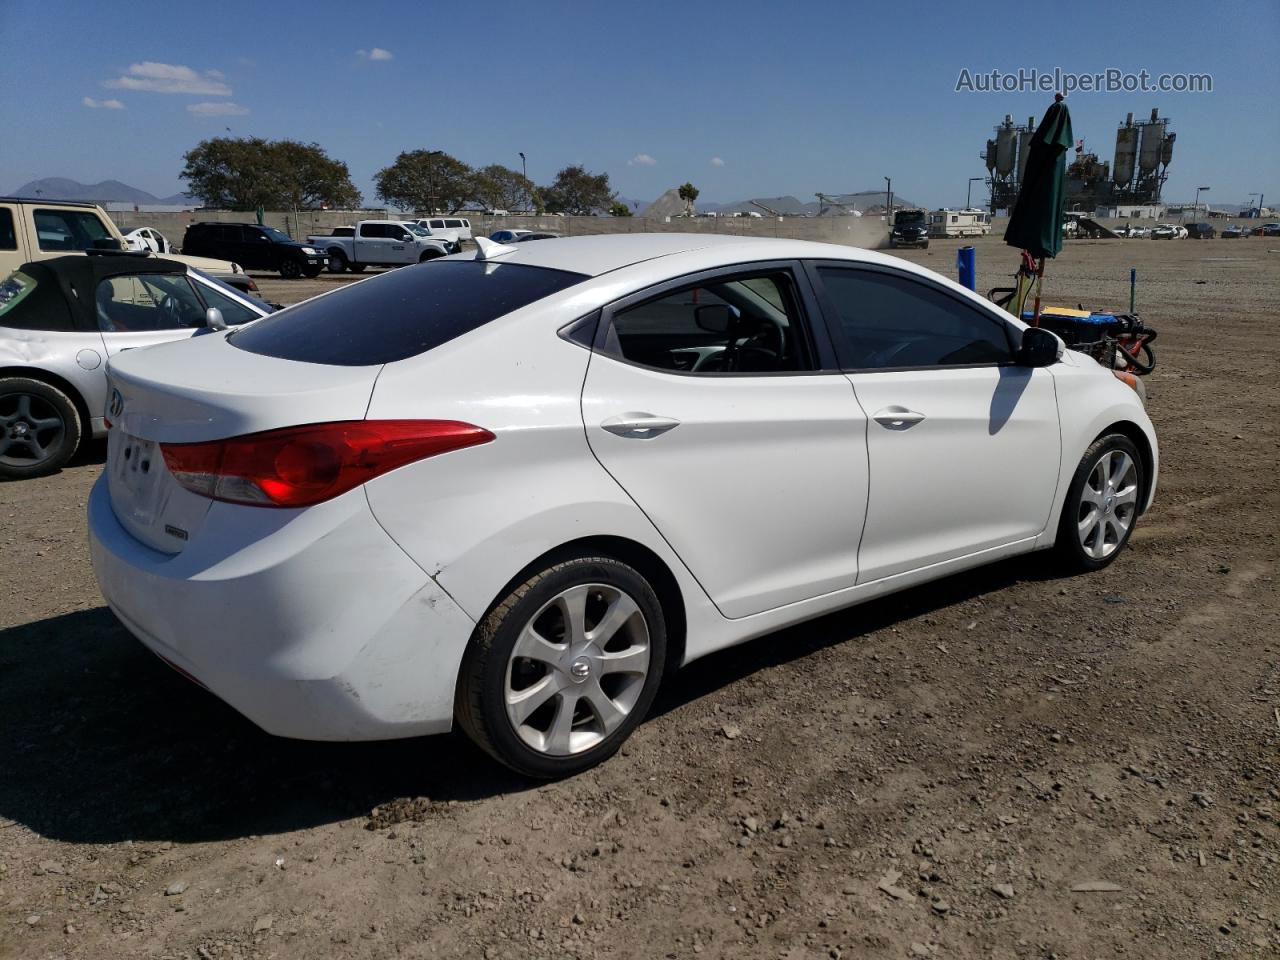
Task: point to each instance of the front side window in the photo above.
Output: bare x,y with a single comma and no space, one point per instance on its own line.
8,235
144,303
736,324
70,230
233,311
887,320
401,314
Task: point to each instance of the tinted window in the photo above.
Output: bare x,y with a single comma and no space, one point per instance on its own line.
888,320
69,229
374,230
148,302
742,324
8,236
453,223
400,314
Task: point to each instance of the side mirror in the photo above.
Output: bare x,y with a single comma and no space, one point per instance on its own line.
715,317
213,319
109,243
1039,348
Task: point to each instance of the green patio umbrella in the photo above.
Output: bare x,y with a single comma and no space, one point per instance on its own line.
1035,226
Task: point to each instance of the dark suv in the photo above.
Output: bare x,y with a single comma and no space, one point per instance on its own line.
1201,231
254,248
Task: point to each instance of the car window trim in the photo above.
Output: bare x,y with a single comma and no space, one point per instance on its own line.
820,348
831,314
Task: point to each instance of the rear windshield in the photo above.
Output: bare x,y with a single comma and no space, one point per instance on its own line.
400,314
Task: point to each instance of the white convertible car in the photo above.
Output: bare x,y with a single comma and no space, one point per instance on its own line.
513,489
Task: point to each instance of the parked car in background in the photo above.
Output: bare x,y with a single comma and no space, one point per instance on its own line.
62,319
148,238
1168,231
256,248
1201,231
449,237
514,491
1233,231
35,229
508,236
460,226
378,243
535,235
1271,229
1138,233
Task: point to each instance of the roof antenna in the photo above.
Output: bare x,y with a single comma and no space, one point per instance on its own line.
491,249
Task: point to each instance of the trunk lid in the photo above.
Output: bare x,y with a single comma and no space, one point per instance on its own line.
198,390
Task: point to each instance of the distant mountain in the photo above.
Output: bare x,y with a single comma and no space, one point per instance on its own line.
108,191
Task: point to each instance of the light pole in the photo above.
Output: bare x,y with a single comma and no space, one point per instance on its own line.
969,192
888,201
1195,207
524,166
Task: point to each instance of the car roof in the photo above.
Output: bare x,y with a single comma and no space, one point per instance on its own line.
594,255
48,200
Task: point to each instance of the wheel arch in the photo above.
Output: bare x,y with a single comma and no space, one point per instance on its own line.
66,386
1129,429
651,566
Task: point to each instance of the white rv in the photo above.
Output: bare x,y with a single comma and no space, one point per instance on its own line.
959,223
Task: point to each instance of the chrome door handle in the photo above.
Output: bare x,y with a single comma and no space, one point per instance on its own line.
638,426
897,418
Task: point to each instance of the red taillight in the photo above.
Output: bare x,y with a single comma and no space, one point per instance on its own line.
300,466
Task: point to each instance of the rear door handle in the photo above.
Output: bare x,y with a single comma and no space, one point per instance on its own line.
639,426
897,418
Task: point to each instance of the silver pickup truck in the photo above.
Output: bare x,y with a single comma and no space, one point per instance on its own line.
378,243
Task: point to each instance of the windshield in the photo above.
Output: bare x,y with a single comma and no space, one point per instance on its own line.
277,236
908,216
400,314
215,282
417,229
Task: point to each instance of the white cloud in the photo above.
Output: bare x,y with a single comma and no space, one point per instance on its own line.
93,104
641,160
717,162
377,53
220,108
170,78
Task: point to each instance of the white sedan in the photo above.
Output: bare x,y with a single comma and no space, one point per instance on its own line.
514,489
148,238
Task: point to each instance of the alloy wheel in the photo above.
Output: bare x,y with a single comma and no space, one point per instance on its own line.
577,669
1108,504
30,429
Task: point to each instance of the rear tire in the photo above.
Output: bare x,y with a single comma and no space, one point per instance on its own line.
356,267
1102,505
40,428
581,690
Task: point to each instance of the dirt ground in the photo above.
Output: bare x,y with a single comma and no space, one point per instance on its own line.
1001,765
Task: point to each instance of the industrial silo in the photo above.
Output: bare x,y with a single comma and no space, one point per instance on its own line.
1152,143
1024,146
1126,150
1006,147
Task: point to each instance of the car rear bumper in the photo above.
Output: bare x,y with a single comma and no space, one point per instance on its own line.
321,628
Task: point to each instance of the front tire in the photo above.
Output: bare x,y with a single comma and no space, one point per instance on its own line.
337,261
1102,505
39,428
291,269
430,255
564,667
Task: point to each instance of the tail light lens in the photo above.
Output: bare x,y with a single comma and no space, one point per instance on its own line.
301,466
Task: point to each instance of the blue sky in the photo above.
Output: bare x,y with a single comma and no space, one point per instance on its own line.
743,98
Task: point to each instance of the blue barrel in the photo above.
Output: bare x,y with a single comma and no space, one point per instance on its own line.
966,263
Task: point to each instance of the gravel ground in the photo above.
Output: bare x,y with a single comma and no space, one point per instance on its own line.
1003,764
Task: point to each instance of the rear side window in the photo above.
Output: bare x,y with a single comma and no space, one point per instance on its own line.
27,303
70,230
400,314
8,236
888,321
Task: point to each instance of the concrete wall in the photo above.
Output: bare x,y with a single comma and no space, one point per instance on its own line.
854,231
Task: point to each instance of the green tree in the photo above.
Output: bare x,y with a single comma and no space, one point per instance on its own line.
241,173
501,188
578,192
426,181
618,209
689,194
